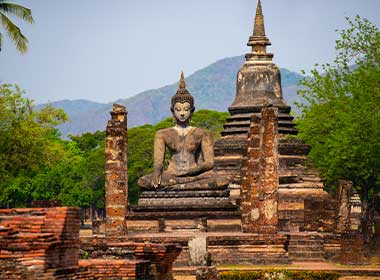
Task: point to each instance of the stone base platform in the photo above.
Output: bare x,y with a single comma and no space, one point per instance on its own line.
206,209
237,248
225,247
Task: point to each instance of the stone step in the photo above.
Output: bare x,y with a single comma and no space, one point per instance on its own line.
247,116
287,130
305,255
293,144
306,236
243,132
245,124
305,243
234,131
302,259
305,249
286,124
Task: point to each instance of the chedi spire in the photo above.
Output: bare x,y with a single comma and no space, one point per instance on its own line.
259,41
259,29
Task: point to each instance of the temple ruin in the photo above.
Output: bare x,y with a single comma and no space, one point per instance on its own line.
262,204
274,209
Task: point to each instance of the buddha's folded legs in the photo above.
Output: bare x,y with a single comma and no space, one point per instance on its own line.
207,180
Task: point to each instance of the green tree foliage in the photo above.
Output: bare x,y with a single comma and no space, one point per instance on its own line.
12,30
341,115
29,143
92,174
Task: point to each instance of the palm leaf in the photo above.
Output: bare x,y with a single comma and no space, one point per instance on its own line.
14,33
17,10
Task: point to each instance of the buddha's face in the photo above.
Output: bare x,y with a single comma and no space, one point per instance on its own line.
182,111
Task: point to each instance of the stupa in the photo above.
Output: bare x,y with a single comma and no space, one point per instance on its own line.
259,84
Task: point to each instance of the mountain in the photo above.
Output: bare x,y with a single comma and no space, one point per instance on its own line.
213,87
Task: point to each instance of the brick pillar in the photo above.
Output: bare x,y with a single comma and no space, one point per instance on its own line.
116,173
343,206
260,178
250,178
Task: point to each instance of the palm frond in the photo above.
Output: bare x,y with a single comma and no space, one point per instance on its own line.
14,33
17,10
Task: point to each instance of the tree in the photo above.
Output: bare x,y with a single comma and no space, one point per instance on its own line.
341,115
29,143
12,30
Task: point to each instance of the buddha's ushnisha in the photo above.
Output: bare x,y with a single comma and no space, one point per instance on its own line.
191,148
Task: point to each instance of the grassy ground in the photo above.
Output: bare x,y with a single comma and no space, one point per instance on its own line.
183,273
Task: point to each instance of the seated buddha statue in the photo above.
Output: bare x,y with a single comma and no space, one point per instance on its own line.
190,148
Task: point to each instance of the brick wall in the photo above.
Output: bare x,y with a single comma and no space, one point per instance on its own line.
38,242
116,269
44,243
159,255
319,214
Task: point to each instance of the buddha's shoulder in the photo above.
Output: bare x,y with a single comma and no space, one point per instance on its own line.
201,132
165,131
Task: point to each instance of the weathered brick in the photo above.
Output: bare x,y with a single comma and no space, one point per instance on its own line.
116,172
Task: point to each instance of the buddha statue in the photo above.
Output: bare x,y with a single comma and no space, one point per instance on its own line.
191,151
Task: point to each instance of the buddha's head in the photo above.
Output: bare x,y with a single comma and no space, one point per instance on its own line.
182,105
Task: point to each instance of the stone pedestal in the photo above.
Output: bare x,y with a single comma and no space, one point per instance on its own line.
116,173
260,175
167,211
198,251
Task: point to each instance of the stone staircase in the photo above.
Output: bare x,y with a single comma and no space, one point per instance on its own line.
306,247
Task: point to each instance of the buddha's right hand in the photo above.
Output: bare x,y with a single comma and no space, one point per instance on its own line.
156,180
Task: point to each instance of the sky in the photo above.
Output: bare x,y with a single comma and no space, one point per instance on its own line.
105,50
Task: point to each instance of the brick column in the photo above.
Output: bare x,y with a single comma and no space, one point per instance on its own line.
260,178
250,178
343,206
116,173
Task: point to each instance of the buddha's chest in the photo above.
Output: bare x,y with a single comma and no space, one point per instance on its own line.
184,144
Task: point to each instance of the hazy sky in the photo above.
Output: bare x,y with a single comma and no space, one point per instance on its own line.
104,50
